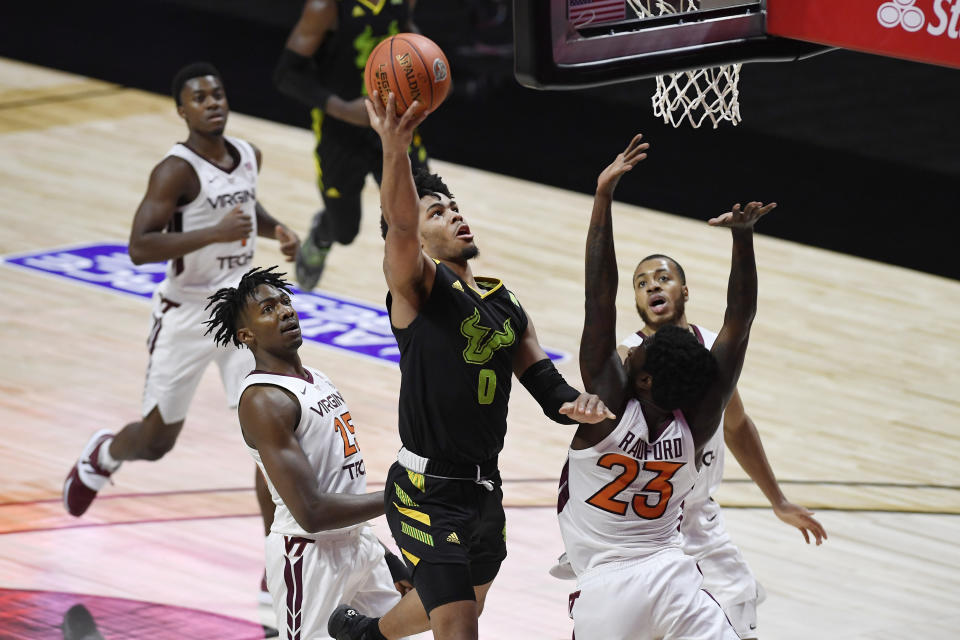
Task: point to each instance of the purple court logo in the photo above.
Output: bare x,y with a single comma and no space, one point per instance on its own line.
360,328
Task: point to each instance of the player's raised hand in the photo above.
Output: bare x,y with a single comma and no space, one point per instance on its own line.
588,408
625,161
235,225
396,132
801,518
289,242
743,218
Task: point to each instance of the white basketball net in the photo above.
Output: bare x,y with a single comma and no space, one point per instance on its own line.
694,95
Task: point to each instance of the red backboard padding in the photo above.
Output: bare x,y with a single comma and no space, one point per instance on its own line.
921,30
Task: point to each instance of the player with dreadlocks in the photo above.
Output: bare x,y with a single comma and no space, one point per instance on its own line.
297,427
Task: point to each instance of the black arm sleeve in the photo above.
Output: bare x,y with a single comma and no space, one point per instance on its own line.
548,387
295,76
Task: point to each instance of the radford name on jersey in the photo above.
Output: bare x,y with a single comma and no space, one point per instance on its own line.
326,435
622,498
201,272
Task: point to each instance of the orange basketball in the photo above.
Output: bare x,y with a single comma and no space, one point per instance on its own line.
413,67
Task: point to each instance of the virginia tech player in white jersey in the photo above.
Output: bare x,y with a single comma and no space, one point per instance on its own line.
660,294
199,214
703,535
620,506
204,270
327,436
622,498
298,428
619,510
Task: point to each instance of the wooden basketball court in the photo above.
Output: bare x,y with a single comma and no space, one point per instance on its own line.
852,379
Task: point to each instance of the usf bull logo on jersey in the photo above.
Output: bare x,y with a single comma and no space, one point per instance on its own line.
483,341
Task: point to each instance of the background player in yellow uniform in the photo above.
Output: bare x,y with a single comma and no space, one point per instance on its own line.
322,67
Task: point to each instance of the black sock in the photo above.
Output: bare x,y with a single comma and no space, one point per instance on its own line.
372,632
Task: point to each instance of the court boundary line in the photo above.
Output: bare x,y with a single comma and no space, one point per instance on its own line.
63,97
149,521
175,492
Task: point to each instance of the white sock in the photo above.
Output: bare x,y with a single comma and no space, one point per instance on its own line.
105,459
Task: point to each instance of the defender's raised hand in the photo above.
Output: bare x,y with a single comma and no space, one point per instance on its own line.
625,161
396,132
742,218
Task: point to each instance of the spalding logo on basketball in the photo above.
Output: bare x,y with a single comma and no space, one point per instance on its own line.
413,67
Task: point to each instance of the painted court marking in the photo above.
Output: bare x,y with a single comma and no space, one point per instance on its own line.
356,327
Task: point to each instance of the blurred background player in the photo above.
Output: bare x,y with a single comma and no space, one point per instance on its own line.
322,66
299,430
201,214
625,480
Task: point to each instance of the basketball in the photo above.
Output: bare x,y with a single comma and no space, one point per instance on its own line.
413,67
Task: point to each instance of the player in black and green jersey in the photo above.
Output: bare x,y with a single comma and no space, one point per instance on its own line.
322,66
461,339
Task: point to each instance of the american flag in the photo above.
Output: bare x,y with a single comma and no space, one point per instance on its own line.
584,11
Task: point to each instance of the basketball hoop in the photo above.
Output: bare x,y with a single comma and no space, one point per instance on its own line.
697,95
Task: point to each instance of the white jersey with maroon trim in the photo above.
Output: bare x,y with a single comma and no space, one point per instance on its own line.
326,435
621,499
201,272
712,455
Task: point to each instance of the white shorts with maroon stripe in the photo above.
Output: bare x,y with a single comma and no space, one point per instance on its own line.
308,578
726,574
647,599
180,353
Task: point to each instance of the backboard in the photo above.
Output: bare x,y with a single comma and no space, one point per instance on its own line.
571,44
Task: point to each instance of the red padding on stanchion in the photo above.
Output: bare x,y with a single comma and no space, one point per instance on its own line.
922,30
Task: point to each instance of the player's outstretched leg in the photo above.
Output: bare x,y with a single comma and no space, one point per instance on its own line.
313,253
147,439
90,473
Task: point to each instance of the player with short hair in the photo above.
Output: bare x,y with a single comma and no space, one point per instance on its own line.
201,214
462,338
299,430
625,479
660,291
322,67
